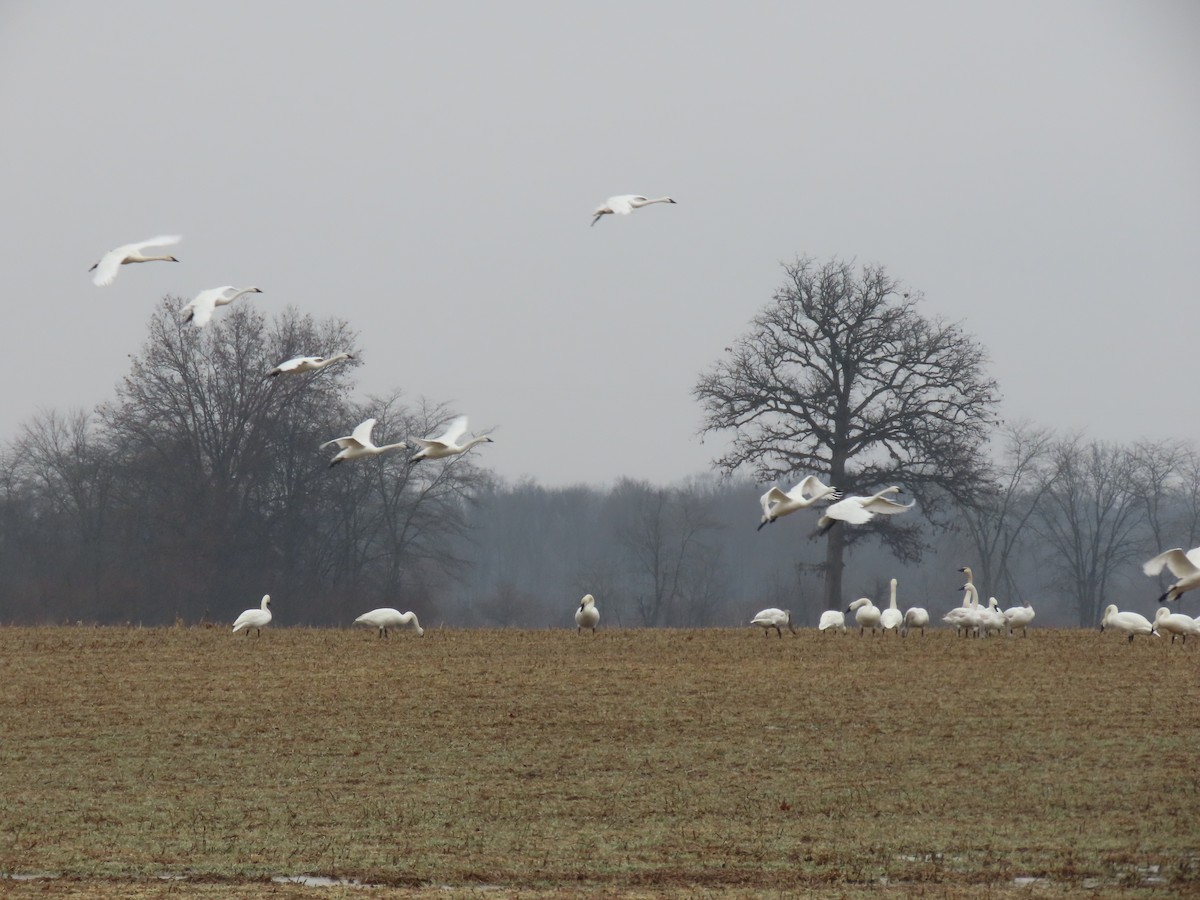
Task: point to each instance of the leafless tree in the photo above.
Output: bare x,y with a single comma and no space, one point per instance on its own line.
1092,516
996,517
842,376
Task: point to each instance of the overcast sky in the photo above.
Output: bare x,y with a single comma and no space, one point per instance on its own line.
428,172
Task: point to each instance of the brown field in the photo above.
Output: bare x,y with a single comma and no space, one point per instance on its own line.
712,763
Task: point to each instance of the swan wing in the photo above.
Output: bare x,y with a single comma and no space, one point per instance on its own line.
456,429
163,240
362,432
623,204
1181,564
810,488
770,498
108,266
886,507
850,510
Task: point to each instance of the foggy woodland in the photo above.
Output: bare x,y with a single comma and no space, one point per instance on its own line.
199,486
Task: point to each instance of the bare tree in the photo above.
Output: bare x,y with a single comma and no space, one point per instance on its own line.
996,516
841,375
1091,516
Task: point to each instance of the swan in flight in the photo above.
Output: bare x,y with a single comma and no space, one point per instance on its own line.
832,620
866,614
587,616
200,309
891,618
915,617
776,503
386,618
1019,617
306,364
445,444
624,204
1184,566
774,618
860,510
1129,623
110,263
359,444
1175,624
254,618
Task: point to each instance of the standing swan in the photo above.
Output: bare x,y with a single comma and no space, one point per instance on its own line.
866,614
891,618
1019,617
860,510
445,443
386,618
587,616
1184,566
774,618
624,204
200,309
915,617
306,364
832,620
1128,622
110,263
254,618
1175,624
359,444
775,503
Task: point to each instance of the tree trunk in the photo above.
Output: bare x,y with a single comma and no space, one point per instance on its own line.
835,544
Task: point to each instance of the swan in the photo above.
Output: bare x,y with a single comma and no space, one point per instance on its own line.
775,503
200,309
866,614
774,618
965,618
359,444
1176,624
110,263
915,617
1019,617
1128,622
587,616
306,364
832,620
624,204
966,570
444,444
1184,566
992,618
891,618
860,510
254,618
386,618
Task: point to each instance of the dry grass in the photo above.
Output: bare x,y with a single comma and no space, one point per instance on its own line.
628,763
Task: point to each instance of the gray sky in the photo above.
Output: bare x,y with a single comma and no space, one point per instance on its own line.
428,172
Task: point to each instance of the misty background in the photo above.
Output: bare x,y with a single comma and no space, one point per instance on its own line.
425,177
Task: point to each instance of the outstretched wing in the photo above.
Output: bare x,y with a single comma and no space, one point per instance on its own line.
885,507
1180,563
770,498
851,510
456,429
362,432
811,488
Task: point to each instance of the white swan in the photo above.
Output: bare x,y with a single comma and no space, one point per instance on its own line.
445,443
386,618
891,618
915,617
1175,624
1184,566
965,618
1126,622
832,620
866,614
254,618
587,616
1019,617
306,364
110,263
775,503
200,309
966,570
992,618
624,204
359,444
774,618
860,510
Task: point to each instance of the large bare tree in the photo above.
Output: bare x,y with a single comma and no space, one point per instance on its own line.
841,375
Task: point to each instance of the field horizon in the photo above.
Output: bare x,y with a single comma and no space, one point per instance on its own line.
714,762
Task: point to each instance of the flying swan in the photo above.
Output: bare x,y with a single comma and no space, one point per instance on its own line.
110,263
200,309
445,444
1184,566
306,364
624,204
776,503
860,510
359,444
